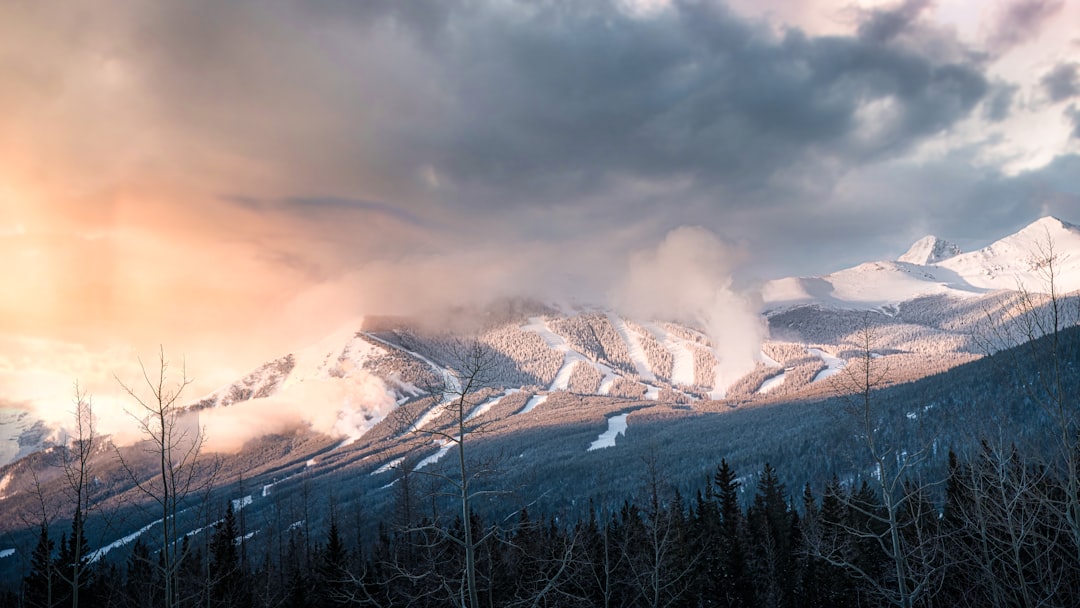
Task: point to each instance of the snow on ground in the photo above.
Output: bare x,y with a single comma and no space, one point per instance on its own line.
6,553
445,447
1017,258
682,370
483,408
562,379
311,462
533,401
616,426
633,346
240,503
96,555
453,385
1012,260
571,357
607,382
390,465
652,392
4,484
769,361
833,365
771,383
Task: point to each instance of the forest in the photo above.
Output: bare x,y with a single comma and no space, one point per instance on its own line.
1003,534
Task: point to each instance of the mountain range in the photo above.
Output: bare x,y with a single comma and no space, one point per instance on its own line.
579,393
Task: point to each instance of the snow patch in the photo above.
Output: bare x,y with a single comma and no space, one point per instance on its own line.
682,369
483,408
616,426
833,365
6,553
390,465
240,503
445,447
652,392
96,555
771,383
533,401
633,346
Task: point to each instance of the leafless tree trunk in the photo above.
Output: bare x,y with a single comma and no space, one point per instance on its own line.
75,459
1032,331
176,445
474,370
912,552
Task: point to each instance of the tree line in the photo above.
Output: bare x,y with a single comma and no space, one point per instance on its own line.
998,534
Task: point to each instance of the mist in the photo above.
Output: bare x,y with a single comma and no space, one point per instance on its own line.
687,278
343,408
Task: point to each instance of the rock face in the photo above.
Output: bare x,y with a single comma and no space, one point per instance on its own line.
929,250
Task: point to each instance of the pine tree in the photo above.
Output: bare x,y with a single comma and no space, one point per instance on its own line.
39,586
736,584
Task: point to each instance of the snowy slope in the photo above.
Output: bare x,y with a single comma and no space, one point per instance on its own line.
935,267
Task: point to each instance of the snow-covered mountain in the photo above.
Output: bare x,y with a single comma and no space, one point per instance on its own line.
934,267
348,410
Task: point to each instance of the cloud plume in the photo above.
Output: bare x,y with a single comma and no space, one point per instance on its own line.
688,278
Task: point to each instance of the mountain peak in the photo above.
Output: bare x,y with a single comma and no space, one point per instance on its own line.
929,250
1048,223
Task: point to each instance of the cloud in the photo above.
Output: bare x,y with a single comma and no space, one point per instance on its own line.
339,407
1017,22
688,278
1062,82
1072,114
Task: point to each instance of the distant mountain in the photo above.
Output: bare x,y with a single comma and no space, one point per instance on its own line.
929,250
564,384
933,267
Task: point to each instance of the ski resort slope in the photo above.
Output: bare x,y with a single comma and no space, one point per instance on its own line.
935,267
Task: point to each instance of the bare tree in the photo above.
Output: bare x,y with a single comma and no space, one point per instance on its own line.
1038,327
474,368
75,455
175,442
901,529
1008,544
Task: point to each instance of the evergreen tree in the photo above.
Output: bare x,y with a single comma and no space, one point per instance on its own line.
736,586
40,585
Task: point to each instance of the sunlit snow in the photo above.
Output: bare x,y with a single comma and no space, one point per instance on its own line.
616,426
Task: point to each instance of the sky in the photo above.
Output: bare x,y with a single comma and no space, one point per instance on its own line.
231,179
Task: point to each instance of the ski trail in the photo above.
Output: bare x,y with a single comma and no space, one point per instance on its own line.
682,369
452,389
570,356
490,403
833,365
771,383
616,426
534,401
633,345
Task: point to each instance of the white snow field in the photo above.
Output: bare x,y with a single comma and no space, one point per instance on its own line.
444,447
616,426
571,359
833,365
483,408
531,404
6,553
771,383
682,370
933,267
633,346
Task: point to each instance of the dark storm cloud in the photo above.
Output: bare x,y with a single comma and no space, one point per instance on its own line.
497,105
1020,21
1062,82
556,111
